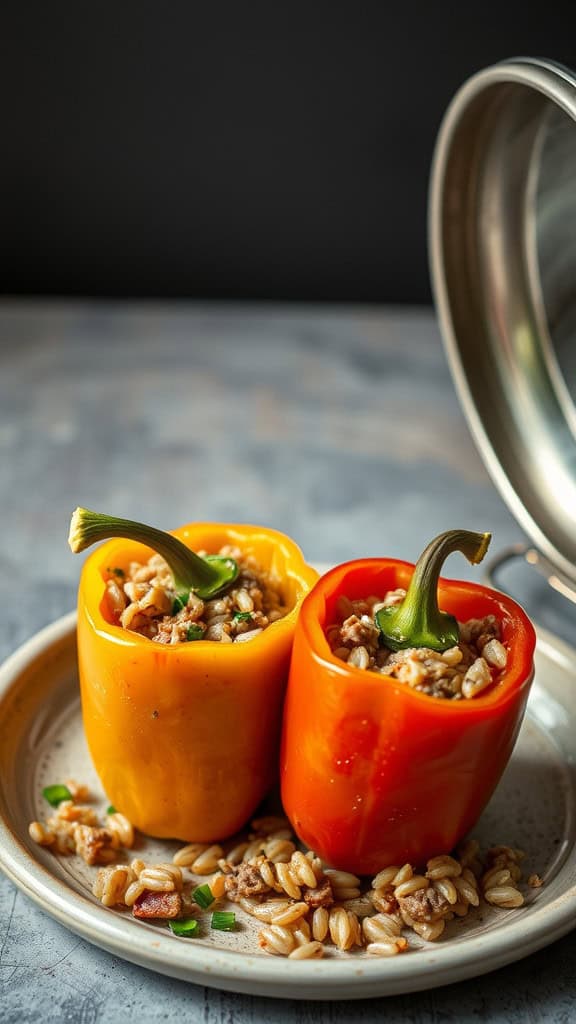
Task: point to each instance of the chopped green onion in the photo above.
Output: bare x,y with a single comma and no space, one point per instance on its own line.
223,920
243,617
179,602
111,809
203,896
194,632
186,928
56,794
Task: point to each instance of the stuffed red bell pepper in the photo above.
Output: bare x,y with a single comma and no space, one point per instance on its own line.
400,717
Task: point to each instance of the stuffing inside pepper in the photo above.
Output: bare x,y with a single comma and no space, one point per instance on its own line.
143,598
460,672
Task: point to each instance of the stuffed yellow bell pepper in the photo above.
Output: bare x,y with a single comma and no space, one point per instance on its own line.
184,736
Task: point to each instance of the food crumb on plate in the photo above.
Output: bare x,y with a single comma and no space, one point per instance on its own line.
305,909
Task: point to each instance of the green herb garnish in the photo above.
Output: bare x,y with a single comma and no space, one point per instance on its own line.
243,617
203,896
187,928
56,794
194,632
111,809
223,921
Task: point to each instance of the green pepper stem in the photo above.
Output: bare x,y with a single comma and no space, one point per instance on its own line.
190,572
418,621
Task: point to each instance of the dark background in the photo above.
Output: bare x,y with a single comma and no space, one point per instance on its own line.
242,151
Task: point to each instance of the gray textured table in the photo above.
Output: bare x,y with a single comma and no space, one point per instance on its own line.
339,426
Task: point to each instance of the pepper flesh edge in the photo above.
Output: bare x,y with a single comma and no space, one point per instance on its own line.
110,551
313,623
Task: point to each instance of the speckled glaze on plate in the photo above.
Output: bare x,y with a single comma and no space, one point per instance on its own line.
42,741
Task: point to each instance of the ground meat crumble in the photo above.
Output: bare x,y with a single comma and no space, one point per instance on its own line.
244,880
425,905
463,671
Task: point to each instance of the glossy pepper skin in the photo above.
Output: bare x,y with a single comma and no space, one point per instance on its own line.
373,772
184,738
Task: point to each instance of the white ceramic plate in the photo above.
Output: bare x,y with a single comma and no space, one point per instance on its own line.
41,741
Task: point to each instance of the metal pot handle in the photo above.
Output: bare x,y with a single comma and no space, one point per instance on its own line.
537,561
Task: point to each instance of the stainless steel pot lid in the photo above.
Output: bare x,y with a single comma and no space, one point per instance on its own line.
502,244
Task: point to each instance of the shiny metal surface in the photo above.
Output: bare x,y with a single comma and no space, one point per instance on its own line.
502,216
533,558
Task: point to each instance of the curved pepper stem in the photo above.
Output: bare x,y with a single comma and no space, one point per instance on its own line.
418,621
207,577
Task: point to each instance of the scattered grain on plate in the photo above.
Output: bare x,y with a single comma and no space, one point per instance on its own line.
305,909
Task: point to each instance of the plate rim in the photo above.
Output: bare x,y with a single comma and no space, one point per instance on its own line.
327,979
